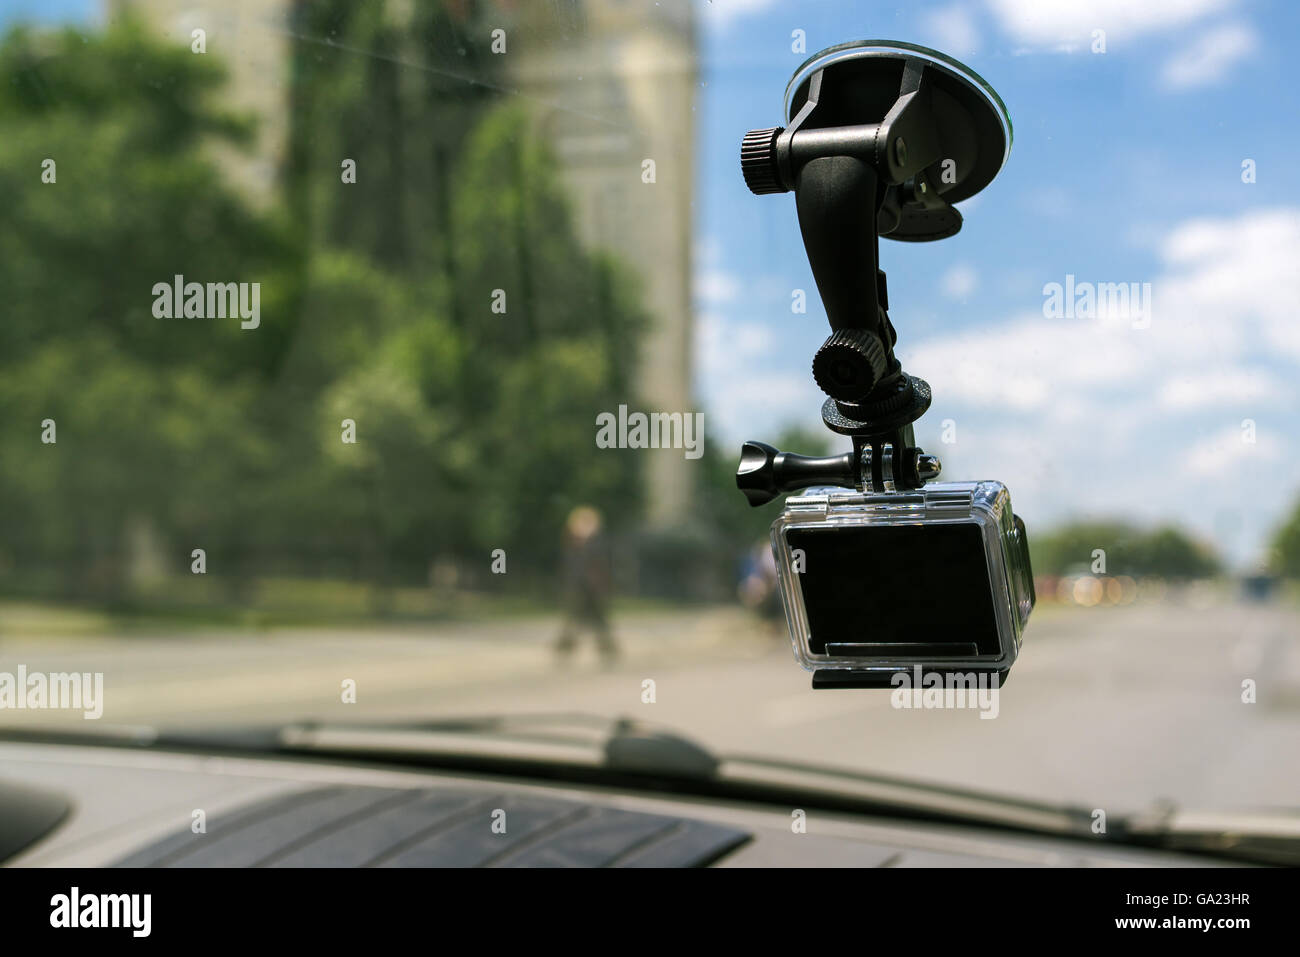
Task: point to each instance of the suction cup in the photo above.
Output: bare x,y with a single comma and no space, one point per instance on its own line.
966,134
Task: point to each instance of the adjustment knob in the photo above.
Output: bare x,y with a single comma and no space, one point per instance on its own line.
765,473
755,475
849,364
758,161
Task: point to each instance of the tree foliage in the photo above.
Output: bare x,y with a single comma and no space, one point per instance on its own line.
1286,546
474,429
1166,551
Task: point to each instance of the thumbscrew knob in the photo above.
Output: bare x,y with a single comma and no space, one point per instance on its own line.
849,364
758,161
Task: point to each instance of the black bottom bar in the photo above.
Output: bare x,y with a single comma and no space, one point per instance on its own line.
331,907
825,678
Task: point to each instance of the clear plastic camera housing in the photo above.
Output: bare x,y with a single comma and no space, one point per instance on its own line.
938,578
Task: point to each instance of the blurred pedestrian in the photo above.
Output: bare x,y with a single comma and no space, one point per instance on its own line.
587,584
758,587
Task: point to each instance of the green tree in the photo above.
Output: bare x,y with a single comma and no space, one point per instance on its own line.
1285,553
1166,551
396,88
147,411
474,431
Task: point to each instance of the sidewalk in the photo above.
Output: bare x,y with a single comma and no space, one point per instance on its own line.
280,674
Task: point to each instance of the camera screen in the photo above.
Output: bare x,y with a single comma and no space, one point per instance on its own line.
921,590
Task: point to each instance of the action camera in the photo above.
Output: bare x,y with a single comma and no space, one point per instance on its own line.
936,579
883,572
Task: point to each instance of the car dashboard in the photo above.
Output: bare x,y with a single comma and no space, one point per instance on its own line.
125,807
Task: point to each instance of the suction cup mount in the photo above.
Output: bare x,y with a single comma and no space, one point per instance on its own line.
882,139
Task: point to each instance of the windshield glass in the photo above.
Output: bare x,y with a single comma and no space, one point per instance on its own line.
391,360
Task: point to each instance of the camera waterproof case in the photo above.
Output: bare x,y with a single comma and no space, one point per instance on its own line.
873,584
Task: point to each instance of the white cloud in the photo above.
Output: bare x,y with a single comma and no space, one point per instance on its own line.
1089,414
754,406
1208,60
1235,282
1225,453
750,390
721,343
715,287
952,30
1222,387
959,282
1094,416
1065,22
1050,201
723,13
1027,362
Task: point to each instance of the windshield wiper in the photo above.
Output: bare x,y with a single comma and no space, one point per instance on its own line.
1254,836
599,750
616,744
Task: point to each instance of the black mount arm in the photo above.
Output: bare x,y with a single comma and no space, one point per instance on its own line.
852,182
883,138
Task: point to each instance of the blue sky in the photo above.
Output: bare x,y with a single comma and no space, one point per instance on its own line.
1126,167
71,11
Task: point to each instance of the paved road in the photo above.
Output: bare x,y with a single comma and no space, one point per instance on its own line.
1108,707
